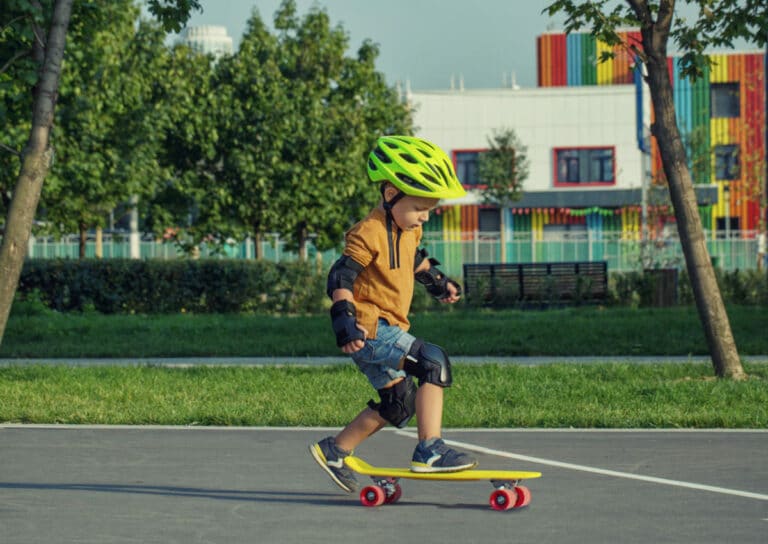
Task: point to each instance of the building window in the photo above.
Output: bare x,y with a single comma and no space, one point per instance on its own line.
727,165
489,220
724,100
580,166
467,167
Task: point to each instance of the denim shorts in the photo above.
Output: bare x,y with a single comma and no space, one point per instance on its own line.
380,356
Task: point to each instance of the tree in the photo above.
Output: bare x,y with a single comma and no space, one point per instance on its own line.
252,93
503,168
297,117
35,61
717,24
188,201
334,108
106,127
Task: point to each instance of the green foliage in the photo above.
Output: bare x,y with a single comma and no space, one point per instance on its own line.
238,286
172,15
205,286
503,168
716,24
105,129
271,139
299,118
742,287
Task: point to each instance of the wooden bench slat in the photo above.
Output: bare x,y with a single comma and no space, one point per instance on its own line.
502,284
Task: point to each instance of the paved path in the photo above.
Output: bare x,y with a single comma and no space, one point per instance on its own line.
319,361
186,485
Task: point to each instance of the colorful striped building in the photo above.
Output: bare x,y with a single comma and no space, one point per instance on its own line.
721,116
579,125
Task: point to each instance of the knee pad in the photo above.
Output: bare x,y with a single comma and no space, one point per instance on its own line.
398,403
429,363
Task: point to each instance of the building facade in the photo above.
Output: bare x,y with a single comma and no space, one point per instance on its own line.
208,39
587,172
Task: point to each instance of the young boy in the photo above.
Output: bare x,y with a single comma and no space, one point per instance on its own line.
371,286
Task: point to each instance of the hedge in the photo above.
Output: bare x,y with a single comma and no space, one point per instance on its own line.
152,286
240,286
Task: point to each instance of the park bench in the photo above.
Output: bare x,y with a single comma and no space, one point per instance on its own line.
535,284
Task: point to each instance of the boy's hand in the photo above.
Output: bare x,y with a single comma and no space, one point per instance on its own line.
355,345
453,292
349,335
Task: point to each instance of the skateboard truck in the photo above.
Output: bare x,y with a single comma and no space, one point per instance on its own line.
508,494
385,488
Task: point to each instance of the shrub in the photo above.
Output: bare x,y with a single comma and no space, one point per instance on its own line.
148,286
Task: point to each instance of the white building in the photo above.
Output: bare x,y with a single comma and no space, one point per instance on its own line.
208,39
580,140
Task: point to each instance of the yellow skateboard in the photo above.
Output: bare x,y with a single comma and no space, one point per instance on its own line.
386,489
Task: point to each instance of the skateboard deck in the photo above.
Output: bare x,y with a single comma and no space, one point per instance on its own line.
386,489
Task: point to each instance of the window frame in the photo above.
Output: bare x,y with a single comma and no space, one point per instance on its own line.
727,87
592,183
735,151
485,212
455,156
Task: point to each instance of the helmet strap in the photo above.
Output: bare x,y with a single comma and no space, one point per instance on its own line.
395,199
394,248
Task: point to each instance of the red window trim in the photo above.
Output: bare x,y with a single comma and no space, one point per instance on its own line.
467,150
558,183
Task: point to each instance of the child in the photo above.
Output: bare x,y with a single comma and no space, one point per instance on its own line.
371,286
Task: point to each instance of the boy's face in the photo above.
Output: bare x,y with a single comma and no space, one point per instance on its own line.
412,211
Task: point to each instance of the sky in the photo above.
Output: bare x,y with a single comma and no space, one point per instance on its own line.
428,43
425,42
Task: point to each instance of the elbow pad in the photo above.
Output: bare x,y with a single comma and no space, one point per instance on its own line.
344,323
436,281
343,274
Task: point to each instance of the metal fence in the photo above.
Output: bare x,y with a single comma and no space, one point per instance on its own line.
622,253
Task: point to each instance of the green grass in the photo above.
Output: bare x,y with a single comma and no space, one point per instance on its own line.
550,396
568,332
490,395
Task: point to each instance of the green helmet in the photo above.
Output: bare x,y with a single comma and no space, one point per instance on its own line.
415,166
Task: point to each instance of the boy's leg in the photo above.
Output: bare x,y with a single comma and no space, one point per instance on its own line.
430,364
429,411
364,425
331,451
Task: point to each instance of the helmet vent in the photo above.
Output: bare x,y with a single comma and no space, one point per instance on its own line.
428,144
449,170
391,145
412,182
383,157
437,170
372,165
408,157
427,155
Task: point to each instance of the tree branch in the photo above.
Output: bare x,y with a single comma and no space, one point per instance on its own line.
9,149
13,59
39,46
13,21
664,18
642,12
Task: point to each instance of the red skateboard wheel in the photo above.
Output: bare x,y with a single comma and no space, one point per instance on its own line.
372,495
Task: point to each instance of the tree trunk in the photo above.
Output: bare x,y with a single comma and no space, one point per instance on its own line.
36,161
99,246
709,301
258,250
83,240
302,237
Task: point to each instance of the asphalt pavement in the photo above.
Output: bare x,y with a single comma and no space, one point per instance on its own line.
320,361
85,484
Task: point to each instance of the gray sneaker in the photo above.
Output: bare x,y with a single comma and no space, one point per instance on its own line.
435,456
331,458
